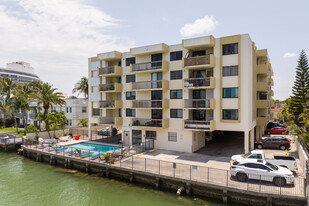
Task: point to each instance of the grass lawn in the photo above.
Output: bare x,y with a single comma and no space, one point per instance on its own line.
6,130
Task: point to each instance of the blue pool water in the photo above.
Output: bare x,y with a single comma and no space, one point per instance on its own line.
94,147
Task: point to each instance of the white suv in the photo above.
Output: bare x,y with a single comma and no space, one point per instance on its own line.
261,170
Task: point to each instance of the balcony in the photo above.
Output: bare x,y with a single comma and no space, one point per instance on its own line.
115,121
199,103
261,121
152,123
150,49
110,71
197,43
262,69
199,125
110,56
150,66
207,61
111,104
205,82
262,86
150,85
261,104
111,87
150,104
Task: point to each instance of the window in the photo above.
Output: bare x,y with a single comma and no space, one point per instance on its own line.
156,95
230,114
130,60
172,136
230,92
130,95
67,109
230,49
70,122
136,136
198,53
151,135
230,71
95,112
70,109
176,75
84,109
130,113
130,78
176,113
176,94
177,55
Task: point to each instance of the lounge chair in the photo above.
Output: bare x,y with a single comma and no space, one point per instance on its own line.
73,152
86,154
60,149
95,155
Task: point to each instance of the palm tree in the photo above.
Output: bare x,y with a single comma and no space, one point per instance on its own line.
23,95
83,123
81,87
7,87
47,97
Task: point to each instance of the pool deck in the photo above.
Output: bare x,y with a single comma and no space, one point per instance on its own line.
196,179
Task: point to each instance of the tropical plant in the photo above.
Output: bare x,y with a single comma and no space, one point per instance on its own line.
7,87
56,119
83,123
81,87
23,94
47,96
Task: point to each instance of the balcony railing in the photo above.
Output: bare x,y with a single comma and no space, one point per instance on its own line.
113,87
199,61
197,124
111,70
197,103
146,66
199,82
146,85
113,104
147,104
117,121
142,122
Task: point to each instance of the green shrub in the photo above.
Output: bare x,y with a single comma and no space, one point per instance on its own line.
32,129
22,131
52,128
66,133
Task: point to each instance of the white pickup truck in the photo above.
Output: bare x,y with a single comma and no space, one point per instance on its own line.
284,161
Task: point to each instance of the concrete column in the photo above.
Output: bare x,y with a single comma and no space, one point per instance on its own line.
252,139
246,141
90,131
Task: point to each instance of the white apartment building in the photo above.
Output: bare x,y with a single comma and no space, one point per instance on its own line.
75,110
181,94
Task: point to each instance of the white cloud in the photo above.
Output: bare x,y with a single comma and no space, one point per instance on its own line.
288,55
56,37
199,26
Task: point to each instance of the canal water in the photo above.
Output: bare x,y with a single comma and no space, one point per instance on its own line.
26,182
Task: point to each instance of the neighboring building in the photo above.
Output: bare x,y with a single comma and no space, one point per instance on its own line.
180,94
75,110
19,71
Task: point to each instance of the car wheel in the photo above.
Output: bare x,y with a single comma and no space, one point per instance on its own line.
279,181
282,147
268,132
242,177
259,146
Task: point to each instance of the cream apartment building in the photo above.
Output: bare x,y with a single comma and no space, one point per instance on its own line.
181,94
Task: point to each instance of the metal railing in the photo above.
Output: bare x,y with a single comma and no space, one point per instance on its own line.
107,104
107,70
197,124
107,120
197,103
199,60
124,157
197,82
147,122
107,87
147,85
146,103
147,66
10,140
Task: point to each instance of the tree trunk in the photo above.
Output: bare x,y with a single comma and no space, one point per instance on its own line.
55,131
26,122
15,119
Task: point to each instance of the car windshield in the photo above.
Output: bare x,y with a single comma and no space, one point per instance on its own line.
247,155
274,167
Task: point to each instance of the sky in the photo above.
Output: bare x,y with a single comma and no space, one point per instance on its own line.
58,36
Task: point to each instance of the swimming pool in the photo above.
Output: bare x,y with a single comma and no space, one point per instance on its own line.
94,147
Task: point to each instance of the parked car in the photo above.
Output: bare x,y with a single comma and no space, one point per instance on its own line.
106,131
261,170
277,130
283,161
273,143
274,124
